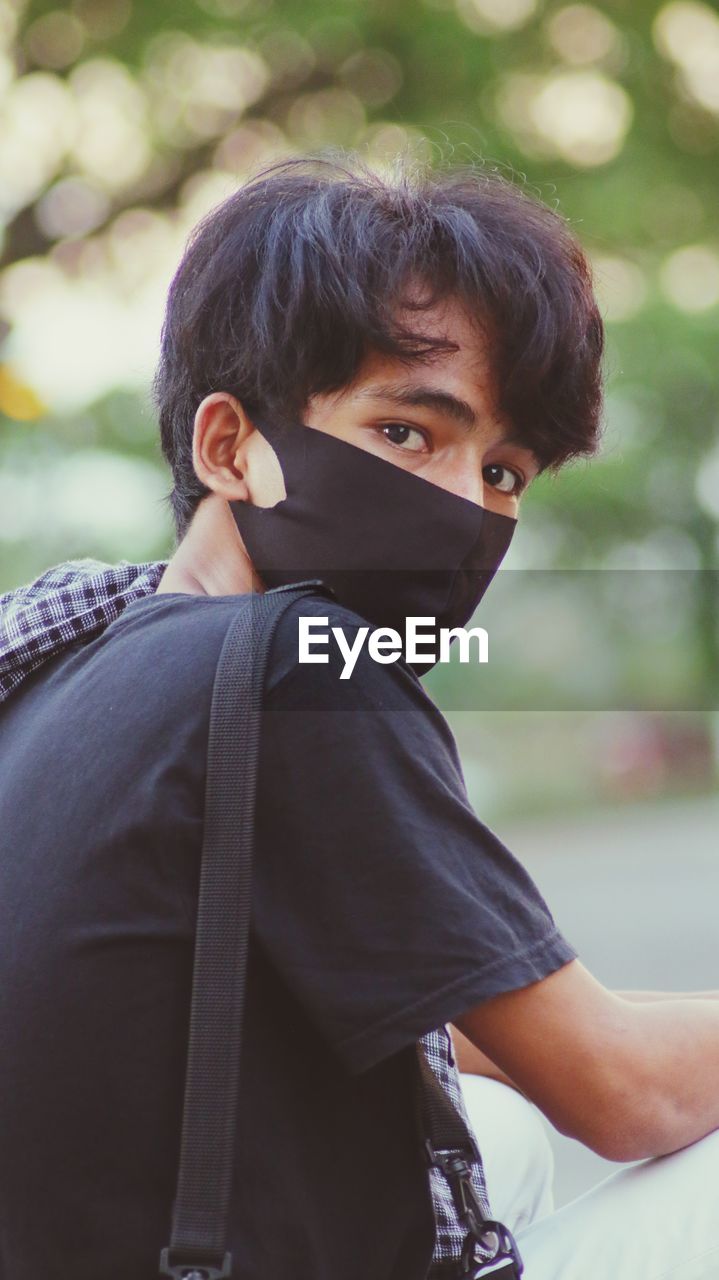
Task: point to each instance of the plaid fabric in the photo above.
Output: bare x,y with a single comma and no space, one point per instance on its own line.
437,1046
75,602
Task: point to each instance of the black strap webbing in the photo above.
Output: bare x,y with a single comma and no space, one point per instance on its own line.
443,1125
204,1184
197,1249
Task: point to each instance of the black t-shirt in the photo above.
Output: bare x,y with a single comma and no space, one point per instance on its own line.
382,908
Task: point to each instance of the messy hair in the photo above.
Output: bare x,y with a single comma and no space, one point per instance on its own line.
287,286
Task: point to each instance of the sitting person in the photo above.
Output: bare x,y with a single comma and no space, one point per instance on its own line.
359,379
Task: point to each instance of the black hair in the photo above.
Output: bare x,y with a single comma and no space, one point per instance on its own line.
287,285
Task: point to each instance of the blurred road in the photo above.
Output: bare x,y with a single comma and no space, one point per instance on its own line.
636,891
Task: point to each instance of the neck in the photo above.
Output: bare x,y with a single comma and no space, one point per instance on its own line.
212,559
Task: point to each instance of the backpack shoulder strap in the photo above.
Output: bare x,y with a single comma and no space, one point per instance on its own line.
199,1223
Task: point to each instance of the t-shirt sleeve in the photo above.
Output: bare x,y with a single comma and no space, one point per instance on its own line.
381,899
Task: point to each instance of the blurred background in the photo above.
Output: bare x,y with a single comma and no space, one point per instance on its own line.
592,737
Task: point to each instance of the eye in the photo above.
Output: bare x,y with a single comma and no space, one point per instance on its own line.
411,439
503,478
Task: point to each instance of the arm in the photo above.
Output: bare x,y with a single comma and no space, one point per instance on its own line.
628,1077
471,1061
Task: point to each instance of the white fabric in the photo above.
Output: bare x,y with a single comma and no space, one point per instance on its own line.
516,1153
657,1220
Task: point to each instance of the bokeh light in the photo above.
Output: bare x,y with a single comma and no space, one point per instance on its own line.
687,32
373,75
582,117
111,143
690,278
38,124
486,16
581,35
103,19
621,287
55,40
71,207
330,115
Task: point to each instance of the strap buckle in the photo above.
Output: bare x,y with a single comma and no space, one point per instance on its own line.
180,1264
505,1262
456,1170
485,1233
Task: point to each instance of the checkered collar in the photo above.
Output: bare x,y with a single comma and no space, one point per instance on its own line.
73,601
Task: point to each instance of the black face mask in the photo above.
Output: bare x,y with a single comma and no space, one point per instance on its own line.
390,544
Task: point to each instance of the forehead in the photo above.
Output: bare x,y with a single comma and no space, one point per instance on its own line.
464,371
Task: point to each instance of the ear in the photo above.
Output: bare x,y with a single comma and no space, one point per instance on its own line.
231,457
220,440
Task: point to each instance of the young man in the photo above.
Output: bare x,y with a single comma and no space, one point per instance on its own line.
358,380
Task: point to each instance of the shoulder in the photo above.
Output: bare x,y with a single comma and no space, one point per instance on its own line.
325,650
387,700
177,636
175,641
157,660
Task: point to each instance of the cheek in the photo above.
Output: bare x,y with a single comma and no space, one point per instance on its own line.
505,504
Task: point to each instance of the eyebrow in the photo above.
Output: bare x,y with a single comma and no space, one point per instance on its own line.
425,397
